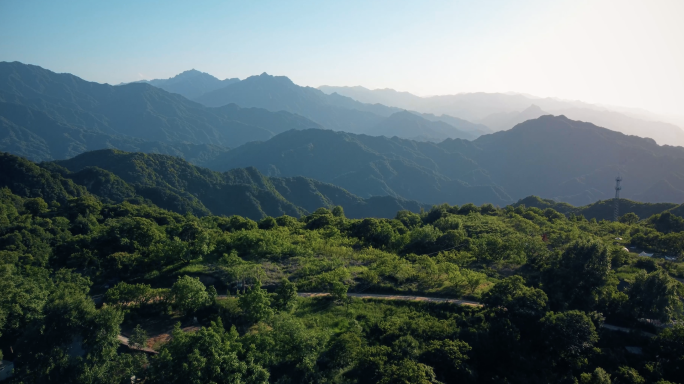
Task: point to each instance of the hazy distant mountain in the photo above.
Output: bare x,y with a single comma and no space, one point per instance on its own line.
278,93
45,115
553,157
385,96
191,84
502,111
460,124
506,120
175,184
662,133
412,126
339,113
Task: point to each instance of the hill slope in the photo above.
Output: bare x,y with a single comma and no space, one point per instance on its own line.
369,166
553,157
174,184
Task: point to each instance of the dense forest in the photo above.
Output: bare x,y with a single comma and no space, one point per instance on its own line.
215,299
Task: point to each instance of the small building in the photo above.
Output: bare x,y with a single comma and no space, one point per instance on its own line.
6,369
644,254
670,258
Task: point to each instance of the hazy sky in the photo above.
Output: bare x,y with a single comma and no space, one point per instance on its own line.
621,52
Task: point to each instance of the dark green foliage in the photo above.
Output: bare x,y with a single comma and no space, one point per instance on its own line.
188,294
512,296
174,184
286,296
580,271
255,303
629,218
26,179
667,351
152,266
667,223
654,296
568,335
210,355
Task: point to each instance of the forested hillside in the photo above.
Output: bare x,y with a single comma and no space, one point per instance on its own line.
538,157
174,184
554,292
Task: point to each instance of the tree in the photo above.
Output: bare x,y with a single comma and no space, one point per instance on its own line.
628,375
338,211
448,357
211,291
576,276
195,241
599,376
129,294
408,371
568,335
210,355
138,338
666,350
517,299
655,296
255,304
267,223
286,296
189,294
629,218
85,206
473,279
338,291
35,206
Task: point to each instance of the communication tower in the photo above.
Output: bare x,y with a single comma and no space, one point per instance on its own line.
618,188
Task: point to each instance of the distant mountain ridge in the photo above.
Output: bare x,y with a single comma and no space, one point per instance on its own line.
501,111
45,115
553,157
191,83
337,112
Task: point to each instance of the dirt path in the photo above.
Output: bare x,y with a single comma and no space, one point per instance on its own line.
397,297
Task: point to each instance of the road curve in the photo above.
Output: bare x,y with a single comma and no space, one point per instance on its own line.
397,297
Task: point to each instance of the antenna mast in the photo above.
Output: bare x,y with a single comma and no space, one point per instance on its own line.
618,188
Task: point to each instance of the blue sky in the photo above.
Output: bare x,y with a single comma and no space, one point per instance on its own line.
621,52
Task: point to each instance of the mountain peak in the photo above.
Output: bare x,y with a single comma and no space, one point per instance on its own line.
533,108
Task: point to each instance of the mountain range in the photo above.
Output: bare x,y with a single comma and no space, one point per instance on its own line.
279,129
45,116
336,112
551,156
500,111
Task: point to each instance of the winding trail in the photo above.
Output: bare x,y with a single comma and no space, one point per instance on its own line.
397,297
